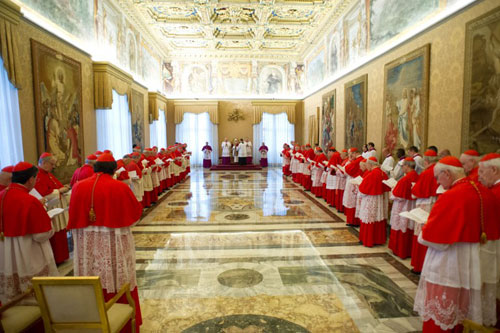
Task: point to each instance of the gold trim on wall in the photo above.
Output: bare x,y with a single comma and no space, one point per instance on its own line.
156,101
273,107
107,78
10,16
182,107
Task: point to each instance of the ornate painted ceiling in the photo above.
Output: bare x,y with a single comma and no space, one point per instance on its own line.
245,29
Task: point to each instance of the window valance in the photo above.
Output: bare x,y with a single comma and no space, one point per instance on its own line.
273,107
156,101
107,78
212,107
10,16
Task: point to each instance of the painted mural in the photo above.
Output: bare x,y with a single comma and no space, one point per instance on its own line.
234,78
137,117
355,112
328,114
151,67
389,18
406,100
316,69
168,80
75,17
481,119
57,83
271,80
354,34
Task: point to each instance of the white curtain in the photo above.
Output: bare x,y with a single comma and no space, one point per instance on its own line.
274,130
158,131
10,122
114,127
195,130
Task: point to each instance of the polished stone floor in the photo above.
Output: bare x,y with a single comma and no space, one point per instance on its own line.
252,252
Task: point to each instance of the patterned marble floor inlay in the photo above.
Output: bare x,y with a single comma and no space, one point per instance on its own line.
251,251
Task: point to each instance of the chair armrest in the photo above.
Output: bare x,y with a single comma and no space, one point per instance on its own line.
124,289
16,300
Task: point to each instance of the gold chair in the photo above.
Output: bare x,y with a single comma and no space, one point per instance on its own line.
17,318
76,304
470,326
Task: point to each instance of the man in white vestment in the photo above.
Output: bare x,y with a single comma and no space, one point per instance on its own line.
226,152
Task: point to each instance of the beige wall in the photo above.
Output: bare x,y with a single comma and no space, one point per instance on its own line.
28,30
447,41
235,129
170,122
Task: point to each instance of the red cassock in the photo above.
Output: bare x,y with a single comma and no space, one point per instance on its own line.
21,258
339,191
81,173
124,174
2,187
352,169
109,254
316,186
474,174
306,178
424,190
46,183
401,238
373,208
330,189
453,284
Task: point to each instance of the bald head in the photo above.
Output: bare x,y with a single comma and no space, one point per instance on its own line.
47,163
5,178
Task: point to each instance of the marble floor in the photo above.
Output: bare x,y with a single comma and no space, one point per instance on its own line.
252,252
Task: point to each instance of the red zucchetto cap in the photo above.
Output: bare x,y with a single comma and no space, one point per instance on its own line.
44,155
344,150
410,159
451,161
97,153
353,149
308,145
22,166
8,169
148,149
490,156
107,151
135,154
331,149
91,157
106,158
363,160
373,159
430,152
471,152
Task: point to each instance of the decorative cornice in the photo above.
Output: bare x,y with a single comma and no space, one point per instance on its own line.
10,11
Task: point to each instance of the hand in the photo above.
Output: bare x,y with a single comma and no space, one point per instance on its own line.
43,201
64,189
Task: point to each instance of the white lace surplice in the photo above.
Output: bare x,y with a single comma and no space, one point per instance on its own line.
350,193
331,181
459,281
105,252
373,208
21,258
398,222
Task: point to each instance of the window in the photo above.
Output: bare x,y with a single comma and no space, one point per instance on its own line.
195,130
274,130
158,131
114,127
10,122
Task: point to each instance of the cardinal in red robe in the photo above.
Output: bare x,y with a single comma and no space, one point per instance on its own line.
85,171
401,238
5,177
352,170
101,214
470,159
459,276
25,229
50,187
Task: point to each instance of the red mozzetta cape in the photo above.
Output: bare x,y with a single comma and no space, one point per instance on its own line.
124,174
403,187
115,205
352,169
132,166
372,183
82,173
2,187
426,185
456,215
335,159
309,153
46,182
22,213
496,191
286,153
319,160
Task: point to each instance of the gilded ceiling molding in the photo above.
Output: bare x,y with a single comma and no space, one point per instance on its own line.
107,78
273,107
182,107
10,16
156,101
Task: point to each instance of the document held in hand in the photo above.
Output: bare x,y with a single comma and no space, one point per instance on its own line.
391,182
418,215
54,212
357,181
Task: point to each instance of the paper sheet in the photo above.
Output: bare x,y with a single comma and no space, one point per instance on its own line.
386,168
391,182
54,212
341,168
440,190
132,174
120,170
357,181
35,193
418,215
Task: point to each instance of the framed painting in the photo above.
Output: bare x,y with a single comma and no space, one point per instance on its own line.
328,115
355,112
406,100
313,129
481,118
137,116
57,81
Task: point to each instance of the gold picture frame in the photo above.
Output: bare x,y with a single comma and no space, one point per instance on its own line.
328,119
